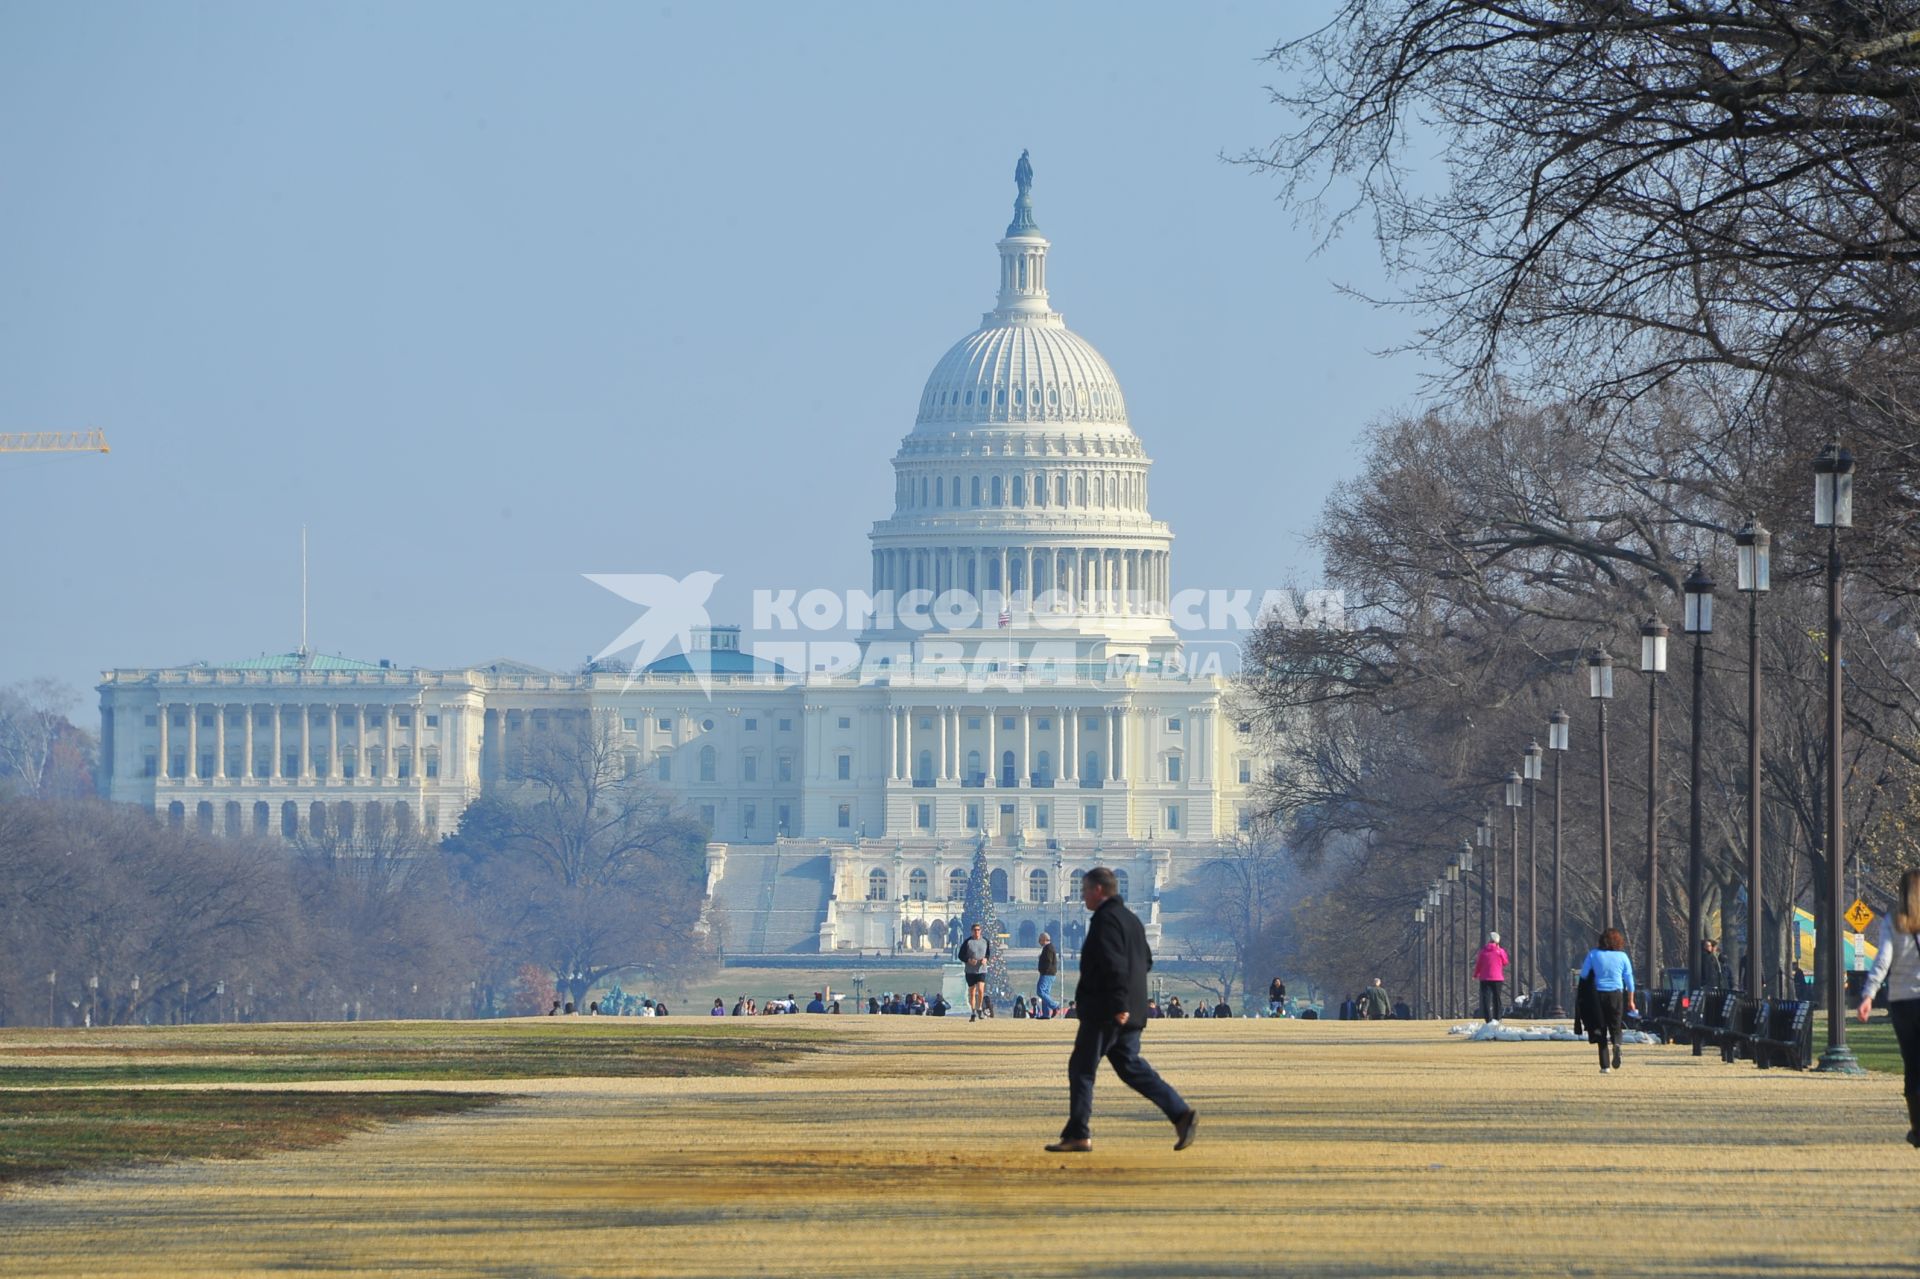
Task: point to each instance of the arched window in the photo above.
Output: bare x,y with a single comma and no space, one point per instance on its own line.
176,814
1092,773
1120,881
923,772
1037,887
923,490
997,885
1043,767
939,490
317,818
262,817
974,774
937,934
1019,490
917,885
1006,769
403,818
1075,882
976,490
999,490
1060,489
1080,490
1029,935
289,819
956,885
706,763
343,818
876,885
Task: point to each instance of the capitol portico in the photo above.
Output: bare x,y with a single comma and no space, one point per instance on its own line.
1047,714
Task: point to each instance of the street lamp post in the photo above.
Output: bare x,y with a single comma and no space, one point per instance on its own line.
1557,743
53,979
1462,867
1600,689
1489,856
1530,769
1752,552
1513,794
1653,664
1833,511
93,998
1699,624
1422,969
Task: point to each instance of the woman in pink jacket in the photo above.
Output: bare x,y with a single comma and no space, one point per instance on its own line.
1490,970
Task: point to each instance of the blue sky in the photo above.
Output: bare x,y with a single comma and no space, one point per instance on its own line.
491,296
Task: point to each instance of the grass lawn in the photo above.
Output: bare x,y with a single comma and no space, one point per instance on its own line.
46,1134
107,1056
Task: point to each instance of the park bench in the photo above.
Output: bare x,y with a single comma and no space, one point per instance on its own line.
1710,1020
1783,1035
1667,1014
1749,1017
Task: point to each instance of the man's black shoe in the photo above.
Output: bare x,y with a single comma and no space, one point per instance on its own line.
1184,1128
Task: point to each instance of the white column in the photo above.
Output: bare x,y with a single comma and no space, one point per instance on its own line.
1114,721
305,765
220,740
993,750
1069,743
1025,773
953,769
893,744
193,739
164,717
940,763
246,765
333,739
276,770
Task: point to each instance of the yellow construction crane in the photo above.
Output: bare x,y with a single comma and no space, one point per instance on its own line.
94,441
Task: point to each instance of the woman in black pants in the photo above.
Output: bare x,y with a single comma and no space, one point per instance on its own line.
1897,967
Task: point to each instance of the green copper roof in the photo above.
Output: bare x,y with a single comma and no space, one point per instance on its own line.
299,662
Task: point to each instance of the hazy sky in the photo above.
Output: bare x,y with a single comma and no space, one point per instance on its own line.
491,296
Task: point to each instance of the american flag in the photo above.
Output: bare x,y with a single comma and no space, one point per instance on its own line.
1006,618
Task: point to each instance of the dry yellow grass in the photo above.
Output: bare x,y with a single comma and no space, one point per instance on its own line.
913,1148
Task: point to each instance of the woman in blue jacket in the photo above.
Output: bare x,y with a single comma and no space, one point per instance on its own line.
1612,973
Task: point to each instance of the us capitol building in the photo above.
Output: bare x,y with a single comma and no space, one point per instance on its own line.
1026,692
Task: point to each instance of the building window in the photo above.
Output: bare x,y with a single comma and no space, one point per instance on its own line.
1173,768
707,766
1246,770
706,726
784,816
917,885
206,766
1173,817
433,763
665,723
1245,726
1092,817
706,817
752,724
785,768
749,768
631,725
349,763
748,816
1006,721
1041,817
973,721
1079,877
973,817
179,719
1046,724
1037,887
924,817
1246,822
404,758
845,819
433,721
846,721
665,767
786,726
206,720
1173,724
151,720
151,767
956,885
843,767
406,720
1121,877
876,885
1092,725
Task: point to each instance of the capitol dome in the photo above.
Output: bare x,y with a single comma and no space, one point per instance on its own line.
1022,484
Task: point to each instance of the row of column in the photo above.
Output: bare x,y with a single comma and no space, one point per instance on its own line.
1091,580
393,757
1066,734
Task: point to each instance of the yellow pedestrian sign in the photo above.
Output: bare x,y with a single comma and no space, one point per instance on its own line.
1859,915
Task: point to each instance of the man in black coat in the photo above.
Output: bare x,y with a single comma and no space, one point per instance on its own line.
1112,1001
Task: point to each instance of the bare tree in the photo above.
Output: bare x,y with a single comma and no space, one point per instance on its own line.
41,752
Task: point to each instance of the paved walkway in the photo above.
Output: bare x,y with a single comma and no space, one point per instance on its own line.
1327,1149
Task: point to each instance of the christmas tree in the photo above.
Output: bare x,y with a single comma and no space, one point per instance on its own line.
979,910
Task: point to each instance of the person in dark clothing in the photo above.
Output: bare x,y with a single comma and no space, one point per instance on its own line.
1712,971
1049,975
1112,999
1276,996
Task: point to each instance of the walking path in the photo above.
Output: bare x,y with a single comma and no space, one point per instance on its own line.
1341,1149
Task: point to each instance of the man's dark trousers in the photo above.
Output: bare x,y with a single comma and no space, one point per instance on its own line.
1121,1046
